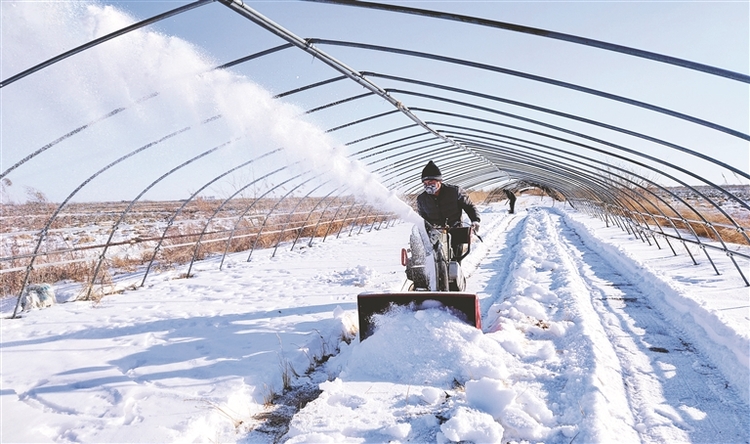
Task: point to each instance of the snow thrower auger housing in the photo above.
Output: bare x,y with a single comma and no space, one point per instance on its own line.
433,278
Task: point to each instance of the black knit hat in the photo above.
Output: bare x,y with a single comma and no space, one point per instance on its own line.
431,171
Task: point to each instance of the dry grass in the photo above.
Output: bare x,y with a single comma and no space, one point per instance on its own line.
203,228
77,237
704,219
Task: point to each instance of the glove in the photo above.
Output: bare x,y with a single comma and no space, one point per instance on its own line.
475,226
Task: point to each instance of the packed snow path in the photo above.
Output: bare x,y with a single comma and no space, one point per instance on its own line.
584,357
617,350
578,345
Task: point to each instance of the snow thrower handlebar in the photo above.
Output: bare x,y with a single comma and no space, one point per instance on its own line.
457,238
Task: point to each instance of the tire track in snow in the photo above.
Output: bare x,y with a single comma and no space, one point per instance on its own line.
486,269
543,315
674,393
517,284
565,358
588,342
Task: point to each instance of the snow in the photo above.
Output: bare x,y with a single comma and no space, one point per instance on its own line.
589,335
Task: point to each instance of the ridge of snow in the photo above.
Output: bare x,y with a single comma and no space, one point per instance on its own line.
712,333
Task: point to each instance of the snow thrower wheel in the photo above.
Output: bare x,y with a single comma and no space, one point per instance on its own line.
454,286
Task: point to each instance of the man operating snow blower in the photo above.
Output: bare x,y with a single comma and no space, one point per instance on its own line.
441,204
433,261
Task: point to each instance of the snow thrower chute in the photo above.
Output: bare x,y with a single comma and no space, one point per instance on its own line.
433,278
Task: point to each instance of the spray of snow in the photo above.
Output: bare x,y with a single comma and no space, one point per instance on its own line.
126,69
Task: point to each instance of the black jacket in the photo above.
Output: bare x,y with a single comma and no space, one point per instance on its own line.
446,206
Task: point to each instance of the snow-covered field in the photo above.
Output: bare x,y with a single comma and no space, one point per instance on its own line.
589,335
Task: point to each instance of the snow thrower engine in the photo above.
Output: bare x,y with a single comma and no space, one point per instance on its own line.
449,246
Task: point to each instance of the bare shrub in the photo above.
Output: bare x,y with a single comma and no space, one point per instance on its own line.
177,254
125,263
205,206
240,244
11,282
95,291
478,196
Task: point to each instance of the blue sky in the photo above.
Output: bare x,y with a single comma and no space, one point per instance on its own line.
712,33
715,33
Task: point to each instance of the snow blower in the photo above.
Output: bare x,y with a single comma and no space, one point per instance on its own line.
433,278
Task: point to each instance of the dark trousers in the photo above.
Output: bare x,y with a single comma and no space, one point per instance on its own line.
512,200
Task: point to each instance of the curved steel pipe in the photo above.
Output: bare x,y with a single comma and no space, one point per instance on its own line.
307,46
103,39
73,133
45,229
216,212
278,202
536,78
545,33
116,225
171,220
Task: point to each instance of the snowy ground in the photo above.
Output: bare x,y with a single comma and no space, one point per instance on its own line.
588,336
